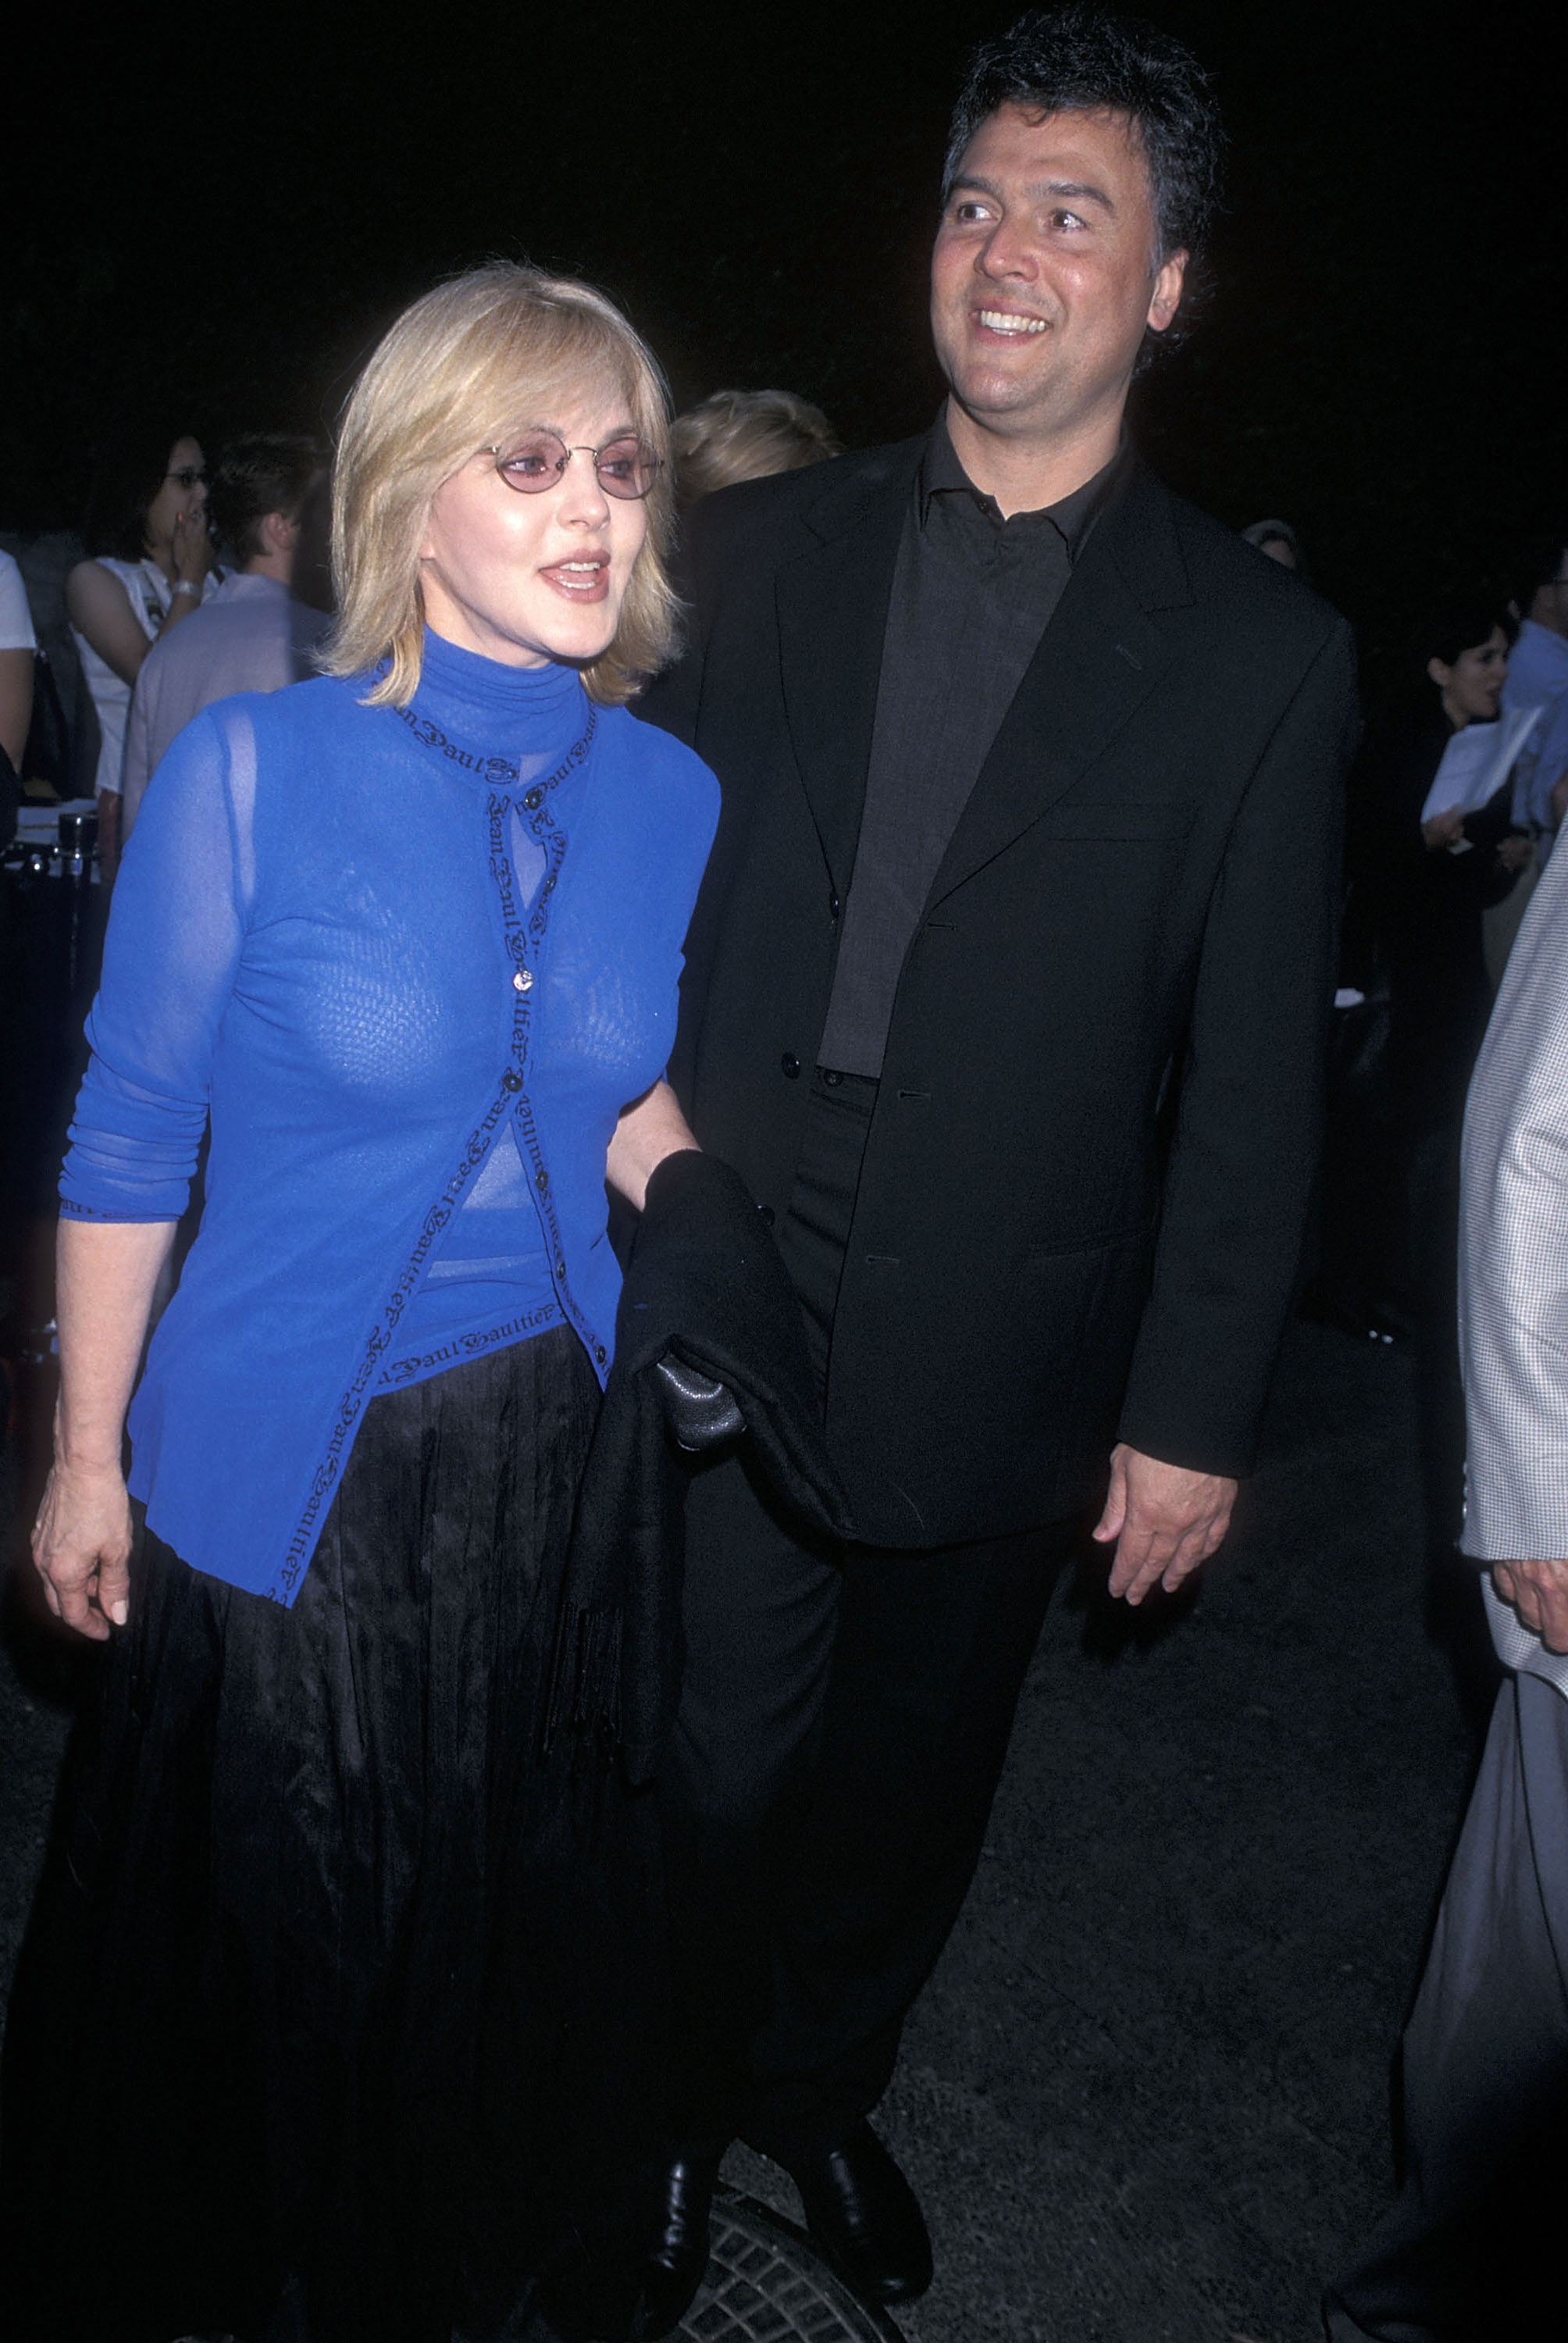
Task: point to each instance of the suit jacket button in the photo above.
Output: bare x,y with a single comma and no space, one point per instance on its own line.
768,1214
789,1066
834,906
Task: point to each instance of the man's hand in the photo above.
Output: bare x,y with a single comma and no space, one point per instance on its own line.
1165,1521
1538,1591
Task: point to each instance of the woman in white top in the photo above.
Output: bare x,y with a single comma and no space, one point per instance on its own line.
153,570
17,644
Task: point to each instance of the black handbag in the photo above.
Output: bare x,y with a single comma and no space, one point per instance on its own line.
47,755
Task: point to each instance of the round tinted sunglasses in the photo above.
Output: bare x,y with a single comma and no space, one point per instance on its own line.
626,466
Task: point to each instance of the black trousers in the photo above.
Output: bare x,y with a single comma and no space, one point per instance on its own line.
843,1727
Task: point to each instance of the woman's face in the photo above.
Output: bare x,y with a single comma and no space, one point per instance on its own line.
1473,686
524,579
184,489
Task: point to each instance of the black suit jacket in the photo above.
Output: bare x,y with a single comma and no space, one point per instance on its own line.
1080,1209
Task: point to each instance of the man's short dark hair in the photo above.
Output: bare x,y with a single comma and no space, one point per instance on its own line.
262,472
1085,59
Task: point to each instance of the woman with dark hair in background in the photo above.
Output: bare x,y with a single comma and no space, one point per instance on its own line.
151,566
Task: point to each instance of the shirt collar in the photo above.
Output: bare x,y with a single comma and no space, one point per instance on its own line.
250,585
1072,517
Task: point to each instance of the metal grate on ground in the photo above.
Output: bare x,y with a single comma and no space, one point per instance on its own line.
767,2283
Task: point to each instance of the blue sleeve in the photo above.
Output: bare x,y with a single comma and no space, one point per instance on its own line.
693,802
1548,749
173,948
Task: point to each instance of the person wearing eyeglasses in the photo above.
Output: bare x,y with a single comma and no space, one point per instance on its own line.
152,564
406,939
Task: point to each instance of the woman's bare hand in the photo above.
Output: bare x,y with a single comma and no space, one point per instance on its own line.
1443,830
82,1547
191,546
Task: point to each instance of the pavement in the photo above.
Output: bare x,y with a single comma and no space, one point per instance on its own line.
1145,2098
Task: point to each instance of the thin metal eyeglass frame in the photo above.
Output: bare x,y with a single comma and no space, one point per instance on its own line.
622,494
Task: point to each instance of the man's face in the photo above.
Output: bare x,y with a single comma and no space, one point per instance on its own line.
1044,275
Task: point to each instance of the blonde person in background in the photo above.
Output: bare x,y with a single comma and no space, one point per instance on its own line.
746,435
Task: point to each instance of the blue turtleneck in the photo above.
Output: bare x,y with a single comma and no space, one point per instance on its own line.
414,963
488,1280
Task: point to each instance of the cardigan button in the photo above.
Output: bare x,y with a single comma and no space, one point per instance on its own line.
789,1066
560,1268
541,1179
599,1353
534,800
511,1079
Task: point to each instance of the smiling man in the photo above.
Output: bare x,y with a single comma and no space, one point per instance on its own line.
1006,990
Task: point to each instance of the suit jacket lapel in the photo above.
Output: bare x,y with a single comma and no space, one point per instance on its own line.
1097,659
832,608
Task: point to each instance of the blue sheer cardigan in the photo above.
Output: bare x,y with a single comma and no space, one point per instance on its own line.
319,939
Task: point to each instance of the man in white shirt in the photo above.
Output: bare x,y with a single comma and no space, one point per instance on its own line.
1471,2247
253,634
1538,678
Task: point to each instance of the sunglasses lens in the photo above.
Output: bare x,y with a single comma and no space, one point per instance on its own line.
626,468
534,464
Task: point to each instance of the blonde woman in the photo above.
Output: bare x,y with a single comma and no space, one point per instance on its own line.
408,938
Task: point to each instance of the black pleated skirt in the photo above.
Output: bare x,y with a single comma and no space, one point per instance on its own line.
302,2028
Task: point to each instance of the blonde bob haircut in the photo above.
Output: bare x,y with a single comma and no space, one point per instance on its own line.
480,357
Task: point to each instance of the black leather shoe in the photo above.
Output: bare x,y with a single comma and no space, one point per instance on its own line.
675,2269
864,2215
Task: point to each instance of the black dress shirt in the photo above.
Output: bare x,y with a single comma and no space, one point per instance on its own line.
972,596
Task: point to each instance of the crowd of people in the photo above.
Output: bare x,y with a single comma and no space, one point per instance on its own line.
757,1022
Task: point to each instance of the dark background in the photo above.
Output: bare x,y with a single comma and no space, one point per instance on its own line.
212,218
